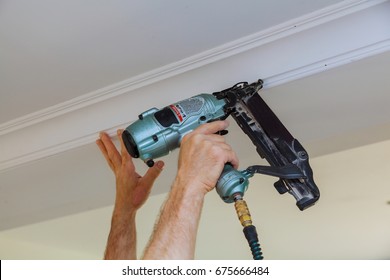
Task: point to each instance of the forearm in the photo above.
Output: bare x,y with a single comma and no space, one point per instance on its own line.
132,190
174,236
121,243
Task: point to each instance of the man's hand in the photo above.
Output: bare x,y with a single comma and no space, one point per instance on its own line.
203,155
132,190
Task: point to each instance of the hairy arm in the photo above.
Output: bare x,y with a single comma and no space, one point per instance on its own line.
122,239
132,190
201,161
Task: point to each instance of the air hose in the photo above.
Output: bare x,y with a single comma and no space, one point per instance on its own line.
249,230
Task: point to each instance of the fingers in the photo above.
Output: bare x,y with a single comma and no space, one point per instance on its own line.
125,154
102,148
219,148
233,159
212,128
151,175
223,149
109,150
209,130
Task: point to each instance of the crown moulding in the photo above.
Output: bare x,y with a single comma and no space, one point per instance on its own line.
229,49
278,55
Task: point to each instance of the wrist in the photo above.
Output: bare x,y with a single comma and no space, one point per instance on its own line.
123,214
189,188
123,203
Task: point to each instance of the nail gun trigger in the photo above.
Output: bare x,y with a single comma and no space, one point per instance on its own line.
222,132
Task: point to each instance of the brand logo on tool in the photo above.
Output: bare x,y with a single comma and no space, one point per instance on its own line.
178,110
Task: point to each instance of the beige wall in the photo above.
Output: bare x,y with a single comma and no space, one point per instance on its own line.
344,224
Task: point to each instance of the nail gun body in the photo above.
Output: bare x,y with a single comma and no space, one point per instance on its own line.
157,132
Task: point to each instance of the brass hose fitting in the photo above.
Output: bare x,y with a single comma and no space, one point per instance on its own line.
249,230
243,212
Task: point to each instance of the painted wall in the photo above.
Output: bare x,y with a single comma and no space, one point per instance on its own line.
329,230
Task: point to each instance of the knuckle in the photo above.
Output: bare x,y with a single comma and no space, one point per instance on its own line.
216,151
195,138
185,137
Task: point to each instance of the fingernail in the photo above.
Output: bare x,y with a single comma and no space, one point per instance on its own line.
160,164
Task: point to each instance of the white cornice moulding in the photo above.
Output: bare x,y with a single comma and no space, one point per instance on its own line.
328,63
75,123
232,48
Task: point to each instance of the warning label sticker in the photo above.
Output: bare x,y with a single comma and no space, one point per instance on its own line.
187,107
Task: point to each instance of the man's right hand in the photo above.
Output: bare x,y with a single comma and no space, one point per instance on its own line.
203,154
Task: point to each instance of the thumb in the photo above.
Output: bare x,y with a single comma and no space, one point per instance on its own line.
152,174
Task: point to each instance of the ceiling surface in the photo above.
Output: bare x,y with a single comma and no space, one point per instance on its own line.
53,51
69,69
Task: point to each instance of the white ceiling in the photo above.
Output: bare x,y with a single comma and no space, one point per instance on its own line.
53,51
56,57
